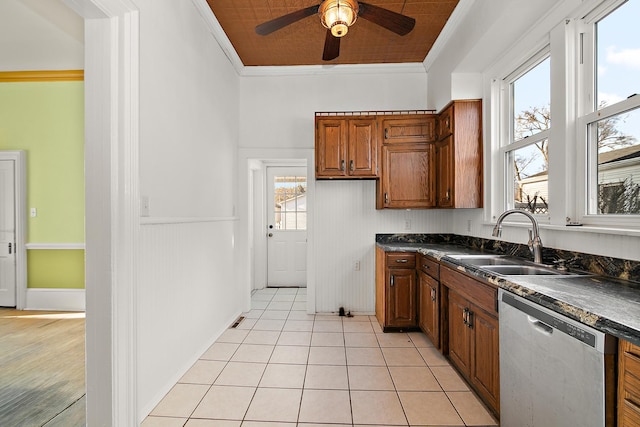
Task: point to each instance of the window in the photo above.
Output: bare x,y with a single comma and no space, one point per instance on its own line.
612,117
527,153
290,202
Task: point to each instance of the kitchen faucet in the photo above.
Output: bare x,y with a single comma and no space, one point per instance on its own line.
535,244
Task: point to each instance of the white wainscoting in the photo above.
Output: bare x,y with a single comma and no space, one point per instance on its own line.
188,296
346,224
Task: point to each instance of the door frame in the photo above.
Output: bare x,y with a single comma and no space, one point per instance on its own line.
251,232
19,158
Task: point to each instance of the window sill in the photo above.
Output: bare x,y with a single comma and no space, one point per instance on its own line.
631,232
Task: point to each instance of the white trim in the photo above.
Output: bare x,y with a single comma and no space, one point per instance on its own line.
20,176
312,70
112,208
184,220
55,246
451,27
55,299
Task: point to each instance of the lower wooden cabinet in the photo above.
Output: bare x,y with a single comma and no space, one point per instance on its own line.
472,333
396,290
628,384
429,307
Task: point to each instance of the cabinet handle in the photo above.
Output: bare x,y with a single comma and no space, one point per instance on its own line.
470,319
9,248
341,165
392,282
386,198
465,313
426,267
448,194
433,295
351,165
386,133
402,261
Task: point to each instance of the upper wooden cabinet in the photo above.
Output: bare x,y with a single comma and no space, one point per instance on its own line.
346,147
408,129
459,155
407,179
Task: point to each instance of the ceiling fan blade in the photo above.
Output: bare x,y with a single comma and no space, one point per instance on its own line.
281,22
392,21
331,47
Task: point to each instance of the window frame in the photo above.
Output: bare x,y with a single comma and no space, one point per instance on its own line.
507,142
587,112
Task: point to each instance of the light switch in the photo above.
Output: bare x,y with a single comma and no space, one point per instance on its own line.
144,206
34,212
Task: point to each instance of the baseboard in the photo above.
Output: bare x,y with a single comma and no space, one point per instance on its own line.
55,299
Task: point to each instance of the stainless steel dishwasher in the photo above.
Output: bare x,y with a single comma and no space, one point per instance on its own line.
552,368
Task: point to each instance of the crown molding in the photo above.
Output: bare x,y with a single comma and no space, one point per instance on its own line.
218,34
454,21
301,70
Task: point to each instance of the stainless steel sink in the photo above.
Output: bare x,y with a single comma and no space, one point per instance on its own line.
525,270
487,259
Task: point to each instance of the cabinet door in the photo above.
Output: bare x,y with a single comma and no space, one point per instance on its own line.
444,173
628,384
331,148
421,128
408,176
459,335
429,307
401,297
363,148
485,357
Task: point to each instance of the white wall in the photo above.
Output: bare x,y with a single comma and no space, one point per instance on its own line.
40,35
189,103
277,112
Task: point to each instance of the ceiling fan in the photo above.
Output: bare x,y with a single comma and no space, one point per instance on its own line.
337,16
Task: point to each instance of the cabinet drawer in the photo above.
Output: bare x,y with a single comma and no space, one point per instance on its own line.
430,267
484,296
407,130
401,260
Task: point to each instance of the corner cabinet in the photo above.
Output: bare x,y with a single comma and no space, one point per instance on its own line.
458,155
396,290
408,163
346,147
472,333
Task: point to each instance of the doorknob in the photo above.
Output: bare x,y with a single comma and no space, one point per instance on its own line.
270,234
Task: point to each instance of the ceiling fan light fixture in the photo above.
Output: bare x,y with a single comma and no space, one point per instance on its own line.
338,15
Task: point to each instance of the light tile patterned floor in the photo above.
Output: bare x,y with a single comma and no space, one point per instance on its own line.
284,368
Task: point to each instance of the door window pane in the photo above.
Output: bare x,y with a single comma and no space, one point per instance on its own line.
290,202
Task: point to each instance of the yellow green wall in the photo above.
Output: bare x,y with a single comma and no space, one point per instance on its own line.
46,119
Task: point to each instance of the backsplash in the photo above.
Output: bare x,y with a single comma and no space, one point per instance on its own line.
596,264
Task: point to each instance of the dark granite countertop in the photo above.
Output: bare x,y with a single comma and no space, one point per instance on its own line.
605,303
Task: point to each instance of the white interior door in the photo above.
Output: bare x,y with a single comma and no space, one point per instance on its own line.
286,226
7,234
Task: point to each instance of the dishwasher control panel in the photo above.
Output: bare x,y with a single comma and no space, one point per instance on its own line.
578,332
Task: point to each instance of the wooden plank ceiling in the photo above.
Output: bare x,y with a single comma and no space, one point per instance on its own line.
302,43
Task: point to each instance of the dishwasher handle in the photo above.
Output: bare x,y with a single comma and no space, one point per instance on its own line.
540,325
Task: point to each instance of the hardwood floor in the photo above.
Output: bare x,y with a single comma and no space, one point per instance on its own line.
42,378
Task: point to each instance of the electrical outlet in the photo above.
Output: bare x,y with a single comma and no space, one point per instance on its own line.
469,225
407,224
356,266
